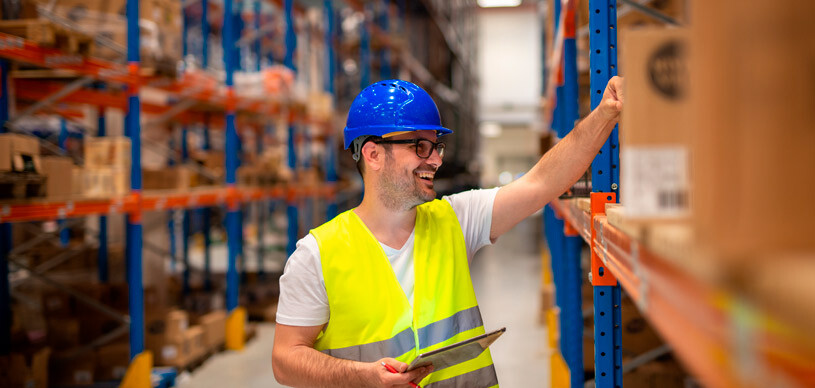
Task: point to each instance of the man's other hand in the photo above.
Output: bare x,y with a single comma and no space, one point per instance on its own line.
613,99
385,378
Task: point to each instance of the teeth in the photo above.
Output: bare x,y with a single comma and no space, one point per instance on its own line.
428,175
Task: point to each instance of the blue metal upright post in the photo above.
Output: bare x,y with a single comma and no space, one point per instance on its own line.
235,331
206,215
171,213
102,253
205,34
565,248
233,226
571,311
64,233
330,144
291,211
185,222
365,50
258,39
261,215
134,225
384,54
605,179
5,231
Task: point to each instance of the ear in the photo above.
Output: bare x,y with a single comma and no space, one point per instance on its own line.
373,155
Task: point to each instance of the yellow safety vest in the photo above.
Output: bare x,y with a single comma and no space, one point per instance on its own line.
371,317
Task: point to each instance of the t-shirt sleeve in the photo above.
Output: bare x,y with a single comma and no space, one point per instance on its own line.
303,299
474,212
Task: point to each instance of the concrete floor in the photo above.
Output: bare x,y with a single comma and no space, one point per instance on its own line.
506,277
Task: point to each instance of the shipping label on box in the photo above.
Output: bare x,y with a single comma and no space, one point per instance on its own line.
655,182
655,128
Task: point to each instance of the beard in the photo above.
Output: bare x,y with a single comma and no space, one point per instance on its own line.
401,190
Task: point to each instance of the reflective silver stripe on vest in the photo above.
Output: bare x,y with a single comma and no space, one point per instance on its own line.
479,378
446,328
393,347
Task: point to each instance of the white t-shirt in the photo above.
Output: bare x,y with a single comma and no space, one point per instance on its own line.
303,298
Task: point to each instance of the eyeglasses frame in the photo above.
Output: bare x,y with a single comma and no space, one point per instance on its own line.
415,142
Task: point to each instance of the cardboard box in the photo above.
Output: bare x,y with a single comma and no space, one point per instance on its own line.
77,181
194,343
753,142
58,171
655,128
19,153
638,335
112,361
179,350
178,322
63,333
111,151
214,325
23,371
214,163
170,178
105,182
656,374
73,371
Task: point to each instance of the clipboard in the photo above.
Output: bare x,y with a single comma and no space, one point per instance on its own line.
456,353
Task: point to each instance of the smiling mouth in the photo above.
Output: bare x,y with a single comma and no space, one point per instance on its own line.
426,176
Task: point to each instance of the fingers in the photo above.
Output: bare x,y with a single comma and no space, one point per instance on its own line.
419,374
396,364
615,85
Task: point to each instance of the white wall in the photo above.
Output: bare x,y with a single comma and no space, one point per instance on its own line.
509,59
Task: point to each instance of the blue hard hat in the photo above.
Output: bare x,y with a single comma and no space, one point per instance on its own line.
391,106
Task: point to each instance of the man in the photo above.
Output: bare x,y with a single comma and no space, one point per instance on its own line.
390,279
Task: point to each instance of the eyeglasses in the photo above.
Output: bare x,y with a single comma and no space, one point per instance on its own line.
424,148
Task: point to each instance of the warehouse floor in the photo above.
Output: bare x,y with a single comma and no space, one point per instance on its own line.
507,282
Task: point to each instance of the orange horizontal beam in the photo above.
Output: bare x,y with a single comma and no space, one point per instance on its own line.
43,210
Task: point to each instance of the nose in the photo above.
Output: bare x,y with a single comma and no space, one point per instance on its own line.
434,159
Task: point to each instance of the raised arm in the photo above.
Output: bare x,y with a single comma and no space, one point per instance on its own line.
559,168
296,363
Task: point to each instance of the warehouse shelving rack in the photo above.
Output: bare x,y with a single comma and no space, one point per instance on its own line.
188,90
723,339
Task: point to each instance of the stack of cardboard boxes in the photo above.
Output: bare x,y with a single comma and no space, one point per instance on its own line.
174,342
159,23
716,144
71,323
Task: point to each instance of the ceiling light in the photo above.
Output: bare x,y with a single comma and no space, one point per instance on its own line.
498,3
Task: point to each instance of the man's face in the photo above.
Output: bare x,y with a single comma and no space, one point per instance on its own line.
406,180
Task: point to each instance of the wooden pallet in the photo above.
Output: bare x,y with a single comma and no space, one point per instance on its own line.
21,185
47,34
